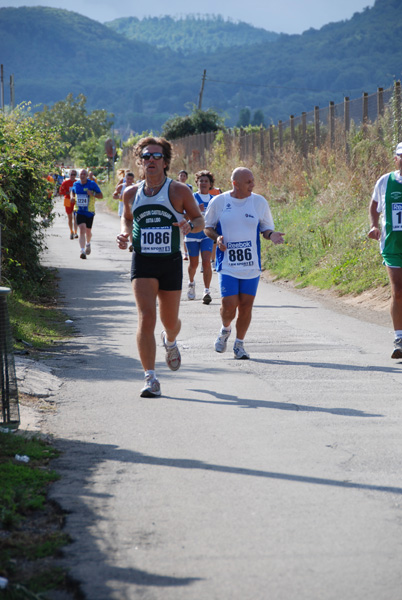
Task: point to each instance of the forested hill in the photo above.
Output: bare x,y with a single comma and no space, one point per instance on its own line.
192,34
54,52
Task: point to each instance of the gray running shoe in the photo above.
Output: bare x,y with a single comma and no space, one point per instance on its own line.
88,249
397,353
239,352
191,290
173,358
83,255
206,299
221,342
152,388
71,236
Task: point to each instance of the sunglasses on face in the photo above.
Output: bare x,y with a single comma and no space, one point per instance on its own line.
156,155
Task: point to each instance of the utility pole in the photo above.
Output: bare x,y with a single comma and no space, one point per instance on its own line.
12,96
202,89
2,87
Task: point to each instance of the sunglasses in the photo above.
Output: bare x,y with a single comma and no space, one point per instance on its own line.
156,155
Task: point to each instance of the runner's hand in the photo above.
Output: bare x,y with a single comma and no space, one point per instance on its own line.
122,240
184,226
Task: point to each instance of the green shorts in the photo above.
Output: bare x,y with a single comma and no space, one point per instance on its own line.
392,260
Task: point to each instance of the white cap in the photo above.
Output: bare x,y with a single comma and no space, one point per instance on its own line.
399,148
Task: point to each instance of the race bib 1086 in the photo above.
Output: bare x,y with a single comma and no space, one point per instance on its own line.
156,240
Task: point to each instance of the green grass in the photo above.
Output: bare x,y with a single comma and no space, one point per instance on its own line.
30,531
37,321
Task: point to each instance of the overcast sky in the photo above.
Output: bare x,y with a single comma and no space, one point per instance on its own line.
285,16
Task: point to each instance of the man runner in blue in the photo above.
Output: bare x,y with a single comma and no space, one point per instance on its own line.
235,220
154,212
86,192
387,202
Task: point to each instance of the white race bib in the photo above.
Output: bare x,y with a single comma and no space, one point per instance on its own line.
82,200
240,254
396,216
156,240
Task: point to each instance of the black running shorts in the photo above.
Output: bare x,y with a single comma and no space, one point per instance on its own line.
84,219
168,270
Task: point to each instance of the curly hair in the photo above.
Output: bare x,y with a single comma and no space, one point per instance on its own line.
154,141
205,173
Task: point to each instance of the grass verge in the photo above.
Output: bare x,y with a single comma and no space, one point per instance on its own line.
31,535
31,526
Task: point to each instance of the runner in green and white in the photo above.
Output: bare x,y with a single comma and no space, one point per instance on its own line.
154,213
386,202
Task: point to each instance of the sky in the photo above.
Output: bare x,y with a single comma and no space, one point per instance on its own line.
285,16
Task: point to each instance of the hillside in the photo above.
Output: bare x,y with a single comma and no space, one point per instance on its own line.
192,34
53,52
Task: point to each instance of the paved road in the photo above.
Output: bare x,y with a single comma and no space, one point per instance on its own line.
277,478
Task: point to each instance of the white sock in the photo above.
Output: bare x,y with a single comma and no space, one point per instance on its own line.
82,249
398,333
237,341
149,372
225,329
206,290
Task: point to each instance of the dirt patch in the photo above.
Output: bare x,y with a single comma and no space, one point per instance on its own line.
371,306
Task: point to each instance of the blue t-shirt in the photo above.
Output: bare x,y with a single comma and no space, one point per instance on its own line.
84,204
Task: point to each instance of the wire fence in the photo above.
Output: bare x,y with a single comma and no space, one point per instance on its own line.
308,131
10,414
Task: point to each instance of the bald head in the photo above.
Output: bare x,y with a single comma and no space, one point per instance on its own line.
239,173
243,182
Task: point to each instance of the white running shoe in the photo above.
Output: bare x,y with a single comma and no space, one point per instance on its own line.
152,388
173,358
88,249
221,341
397,353
239,352
191,290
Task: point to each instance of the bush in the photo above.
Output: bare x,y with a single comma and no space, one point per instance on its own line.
26,158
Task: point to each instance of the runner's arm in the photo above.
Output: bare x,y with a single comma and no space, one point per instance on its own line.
374,215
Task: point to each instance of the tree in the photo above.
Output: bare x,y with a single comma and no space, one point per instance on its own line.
199,121
70,118
244,117
258,118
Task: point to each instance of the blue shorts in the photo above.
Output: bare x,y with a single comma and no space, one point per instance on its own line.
231,286
196,246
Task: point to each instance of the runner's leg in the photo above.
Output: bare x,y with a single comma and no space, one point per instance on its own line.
145,293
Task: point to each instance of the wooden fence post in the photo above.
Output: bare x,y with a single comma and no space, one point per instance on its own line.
317,140
365,110
292,128
304,133
280,135
397,111
380,102
271,145
346,120
331,118
262,149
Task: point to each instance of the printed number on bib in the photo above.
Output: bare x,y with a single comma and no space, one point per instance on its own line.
240,254
156,240
82,200
396,217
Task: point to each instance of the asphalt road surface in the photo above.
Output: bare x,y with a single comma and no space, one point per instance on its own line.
277,478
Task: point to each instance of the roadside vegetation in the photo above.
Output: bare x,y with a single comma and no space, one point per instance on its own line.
320,202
